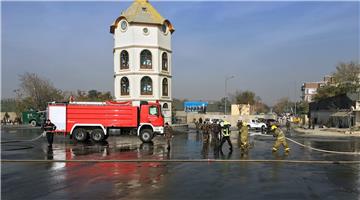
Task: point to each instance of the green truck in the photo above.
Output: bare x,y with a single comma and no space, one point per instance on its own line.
34,118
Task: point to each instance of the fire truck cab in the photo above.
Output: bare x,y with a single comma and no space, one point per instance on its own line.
93,120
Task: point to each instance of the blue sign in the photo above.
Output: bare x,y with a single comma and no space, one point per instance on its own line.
195,106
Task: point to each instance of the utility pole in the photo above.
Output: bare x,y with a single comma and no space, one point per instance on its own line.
226,79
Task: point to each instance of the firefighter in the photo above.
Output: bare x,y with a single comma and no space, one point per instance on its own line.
49,127
280,139
244,136
168,134
225,130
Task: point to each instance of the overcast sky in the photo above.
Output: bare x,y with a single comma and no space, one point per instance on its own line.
270,47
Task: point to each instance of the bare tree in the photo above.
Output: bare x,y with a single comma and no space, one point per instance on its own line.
283,105
35,92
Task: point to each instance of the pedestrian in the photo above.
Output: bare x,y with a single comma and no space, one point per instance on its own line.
168,134
313,122
280,139
225,129
244,136
200,120
49,128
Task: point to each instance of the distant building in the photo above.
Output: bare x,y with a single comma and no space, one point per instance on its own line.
309,89
340,111
240,109
143,56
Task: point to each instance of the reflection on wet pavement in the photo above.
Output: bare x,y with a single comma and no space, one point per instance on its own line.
158,180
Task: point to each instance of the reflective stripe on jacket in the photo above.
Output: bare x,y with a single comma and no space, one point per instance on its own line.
226,129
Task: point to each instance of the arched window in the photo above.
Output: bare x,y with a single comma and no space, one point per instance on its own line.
165,87
124,60
146,86
165,106
164,58
145,59
125,86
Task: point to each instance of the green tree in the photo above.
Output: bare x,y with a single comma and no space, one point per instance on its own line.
249,97
92,95
221,105
245,97
35,92
346,79
327,91
302,107
8,105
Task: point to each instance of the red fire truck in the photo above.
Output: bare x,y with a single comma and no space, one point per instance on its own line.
84,120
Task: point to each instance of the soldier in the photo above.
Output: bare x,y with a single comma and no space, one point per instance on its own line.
49,128
215,131
168,134
225,129
206,132
244,136
280,139
239,124
288,125
215,137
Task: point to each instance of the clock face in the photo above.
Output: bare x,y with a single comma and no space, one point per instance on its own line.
163,28
123,25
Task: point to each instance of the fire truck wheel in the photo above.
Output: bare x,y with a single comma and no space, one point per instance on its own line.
80,134
97,135
146,135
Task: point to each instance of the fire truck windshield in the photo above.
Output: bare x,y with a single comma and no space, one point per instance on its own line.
153,110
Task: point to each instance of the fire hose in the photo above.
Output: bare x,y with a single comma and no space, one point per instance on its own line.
317,149
322,150
43,134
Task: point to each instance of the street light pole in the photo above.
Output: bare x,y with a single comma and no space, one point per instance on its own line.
226,79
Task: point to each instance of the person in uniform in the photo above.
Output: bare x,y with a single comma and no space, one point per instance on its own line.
280,139
206,132
168,134
49,128
244,136
225,129
288,125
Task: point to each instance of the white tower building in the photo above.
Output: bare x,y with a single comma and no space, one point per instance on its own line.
142,56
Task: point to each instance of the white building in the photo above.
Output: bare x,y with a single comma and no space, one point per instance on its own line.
142,56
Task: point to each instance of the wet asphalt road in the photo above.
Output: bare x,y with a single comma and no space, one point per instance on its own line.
157,180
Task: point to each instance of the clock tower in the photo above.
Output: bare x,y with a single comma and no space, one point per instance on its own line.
142,56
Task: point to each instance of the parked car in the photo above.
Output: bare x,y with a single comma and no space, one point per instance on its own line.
255,124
